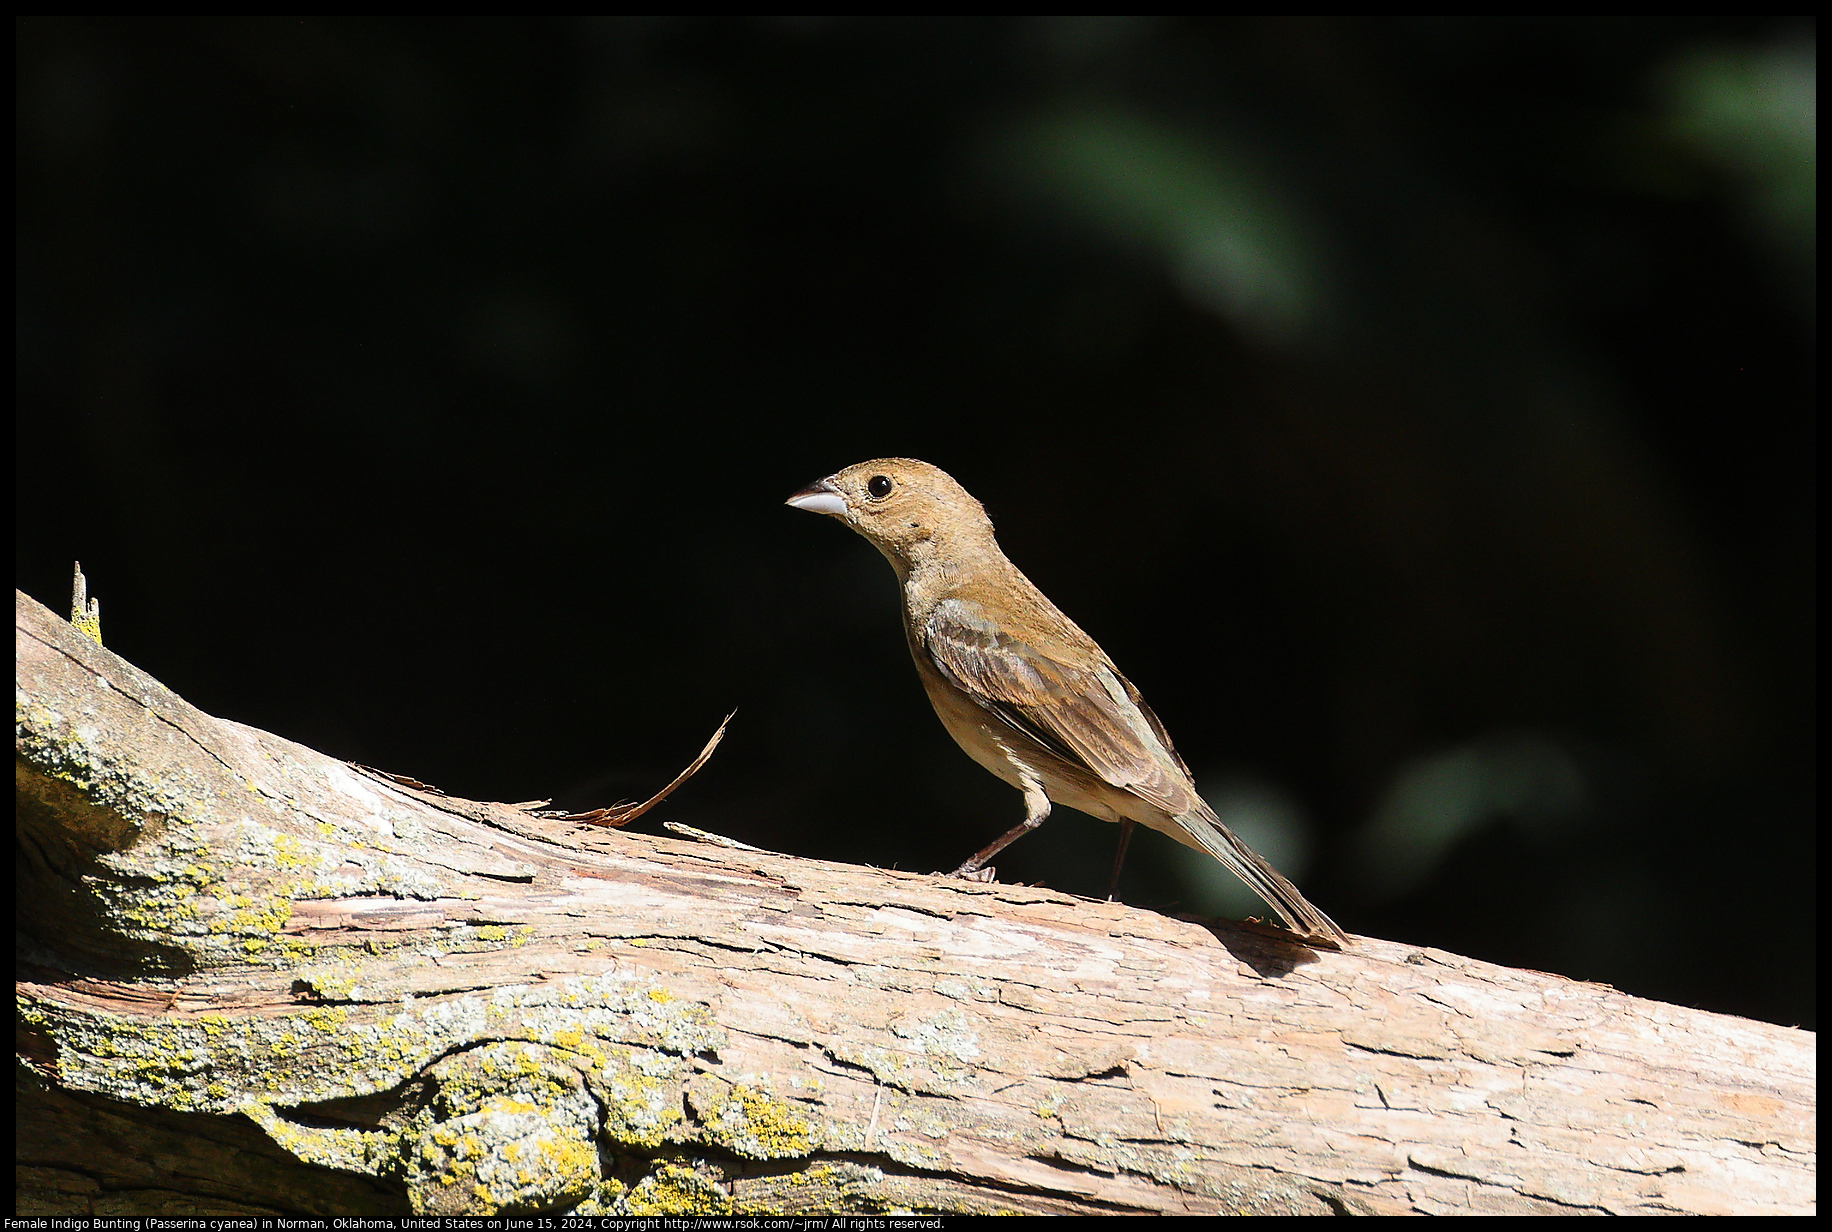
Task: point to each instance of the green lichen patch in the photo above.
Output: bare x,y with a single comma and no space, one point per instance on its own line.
747,1119
110,801
673,1186
511,1127
217,1062
941,1056
948,1034
345,1150
904,1071
639,1092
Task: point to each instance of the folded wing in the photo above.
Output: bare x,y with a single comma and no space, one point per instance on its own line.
1088,715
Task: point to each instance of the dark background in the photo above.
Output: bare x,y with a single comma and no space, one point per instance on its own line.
1420,412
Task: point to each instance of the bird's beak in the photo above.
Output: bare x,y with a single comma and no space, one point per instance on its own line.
821,497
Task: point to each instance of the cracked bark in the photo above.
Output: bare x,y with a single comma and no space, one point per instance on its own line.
255,979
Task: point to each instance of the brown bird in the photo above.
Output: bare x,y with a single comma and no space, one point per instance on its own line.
1025,692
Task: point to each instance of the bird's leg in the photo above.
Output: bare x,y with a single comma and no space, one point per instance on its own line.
1119,857
1036,808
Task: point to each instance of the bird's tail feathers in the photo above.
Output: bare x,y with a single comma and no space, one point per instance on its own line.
1266,881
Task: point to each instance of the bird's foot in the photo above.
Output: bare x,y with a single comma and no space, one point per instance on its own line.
967,872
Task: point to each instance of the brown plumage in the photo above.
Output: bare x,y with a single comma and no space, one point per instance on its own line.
1020,687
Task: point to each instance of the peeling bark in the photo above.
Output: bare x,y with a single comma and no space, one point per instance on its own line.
254,979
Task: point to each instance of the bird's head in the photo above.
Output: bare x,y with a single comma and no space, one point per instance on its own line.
904,507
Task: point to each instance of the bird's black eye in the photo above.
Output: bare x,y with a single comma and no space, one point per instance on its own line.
879,486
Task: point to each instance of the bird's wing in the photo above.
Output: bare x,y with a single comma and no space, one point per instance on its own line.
1089,716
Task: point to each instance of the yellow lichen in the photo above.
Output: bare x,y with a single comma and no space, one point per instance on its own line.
671,1189
755,1123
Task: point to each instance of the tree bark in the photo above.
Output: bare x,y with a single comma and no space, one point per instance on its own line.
254,979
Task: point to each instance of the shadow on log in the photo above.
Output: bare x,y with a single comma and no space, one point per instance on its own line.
253,979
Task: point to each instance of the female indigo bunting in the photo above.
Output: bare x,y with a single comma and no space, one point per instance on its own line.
1025,692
